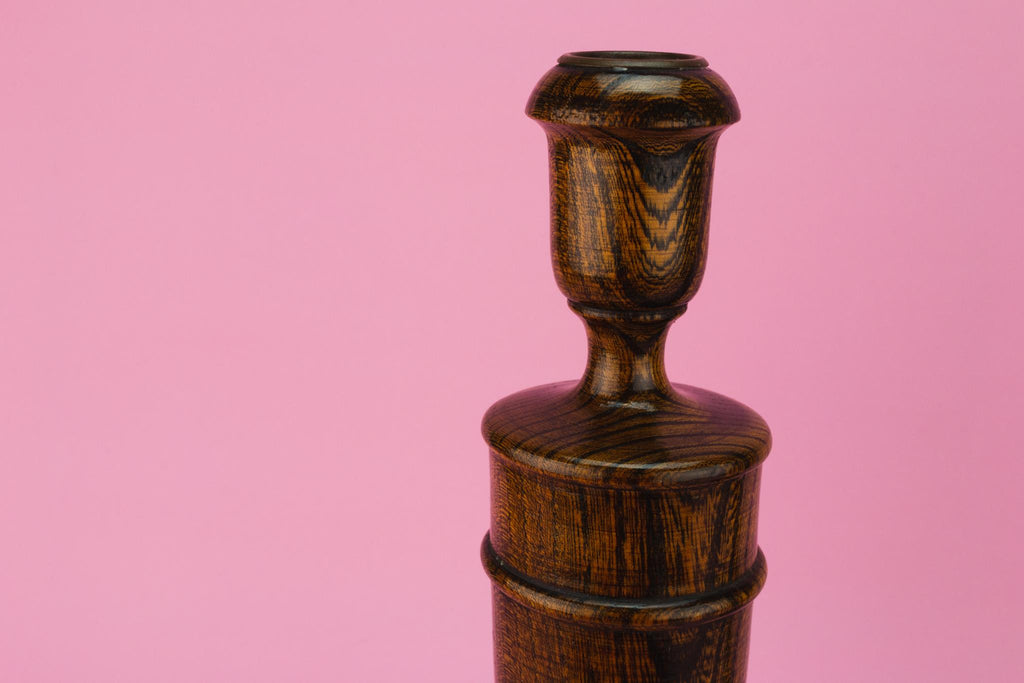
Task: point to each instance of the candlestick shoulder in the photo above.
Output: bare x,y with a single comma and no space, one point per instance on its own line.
689,437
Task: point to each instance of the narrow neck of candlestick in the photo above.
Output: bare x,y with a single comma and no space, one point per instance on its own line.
626,357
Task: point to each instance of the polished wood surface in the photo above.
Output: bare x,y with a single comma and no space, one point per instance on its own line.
623,529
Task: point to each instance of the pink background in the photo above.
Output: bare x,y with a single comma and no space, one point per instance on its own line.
264,265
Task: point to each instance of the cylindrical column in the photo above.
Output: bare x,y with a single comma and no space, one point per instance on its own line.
623,529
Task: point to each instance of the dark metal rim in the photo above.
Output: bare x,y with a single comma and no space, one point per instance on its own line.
624,60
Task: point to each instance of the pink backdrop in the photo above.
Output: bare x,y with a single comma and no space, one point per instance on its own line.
263,266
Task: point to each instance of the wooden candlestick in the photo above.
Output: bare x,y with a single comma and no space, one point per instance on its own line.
623,529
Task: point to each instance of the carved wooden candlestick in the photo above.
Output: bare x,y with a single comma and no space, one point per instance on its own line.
623,507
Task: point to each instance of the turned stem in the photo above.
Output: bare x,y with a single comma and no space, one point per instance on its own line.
626,353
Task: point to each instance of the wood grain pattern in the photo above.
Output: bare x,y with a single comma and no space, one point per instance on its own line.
623,529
